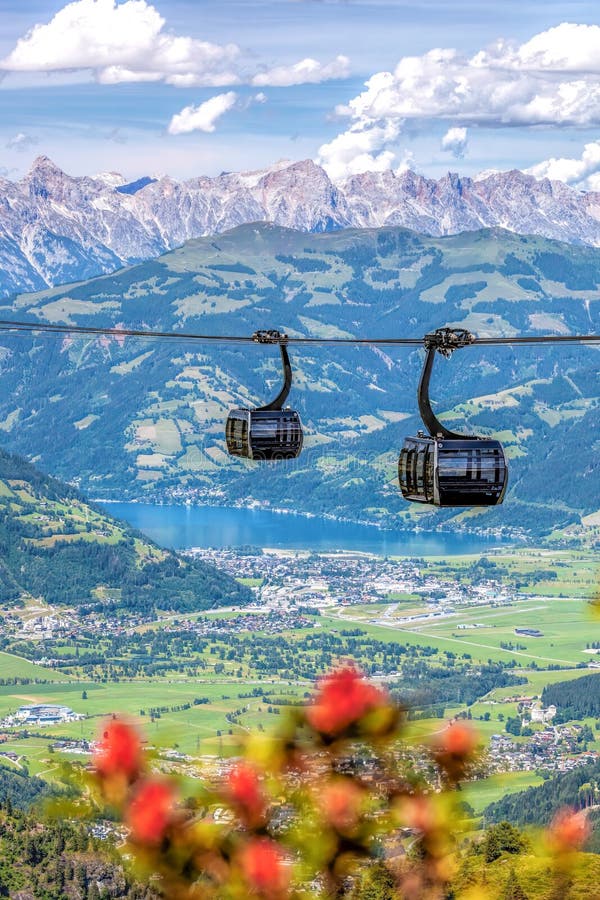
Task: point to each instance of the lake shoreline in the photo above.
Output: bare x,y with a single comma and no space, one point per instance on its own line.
503,535
183,527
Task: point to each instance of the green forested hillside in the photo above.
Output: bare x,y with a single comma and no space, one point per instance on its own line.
55,859
56,546
575,699
137,418
21,791
538,805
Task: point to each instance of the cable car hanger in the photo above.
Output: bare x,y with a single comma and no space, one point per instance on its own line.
276,337
444,341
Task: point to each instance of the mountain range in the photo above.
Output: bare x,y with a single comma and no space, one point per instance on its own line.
55,228
139,418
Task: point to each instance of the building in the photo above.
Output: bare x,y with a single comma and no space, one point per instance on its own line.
543,715
45,714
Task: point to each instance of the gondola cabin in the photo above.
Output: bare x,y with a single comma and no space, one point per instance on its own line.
444,471
264,434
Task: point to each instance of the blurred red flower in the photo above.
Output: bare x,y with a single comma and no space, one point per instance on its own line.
245,792
418,812
569,829
341,802
458,738
150,811
343,698
264,868
119,751
454,747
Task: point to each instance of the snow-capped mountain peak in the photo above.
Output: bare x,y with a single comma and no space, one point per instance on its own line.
56,228
110,179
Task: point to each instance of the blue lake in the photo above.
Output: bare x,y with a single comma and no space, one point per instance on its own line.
182,527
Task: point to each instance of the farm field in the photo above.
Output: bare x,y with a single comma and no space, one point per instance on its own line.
567,626
564,625
480,793
198,729
537,571
15,667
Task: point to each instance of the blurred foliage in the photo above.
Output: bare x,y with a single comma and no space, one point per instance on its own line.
337,804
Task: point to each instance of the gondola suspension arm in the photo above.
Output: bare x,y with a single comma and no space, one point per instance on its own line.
276,337
444,341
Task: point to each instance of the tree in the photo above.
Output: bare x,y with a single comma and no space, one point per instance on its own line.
492,849
376,883
502,838
513,725
513,889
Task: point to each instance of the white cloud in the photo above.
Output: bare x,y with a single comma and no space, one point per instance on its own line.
203,117
552,79
351,152
455,141
583,173
307,71
120,42
123,42
21,142
117,136
252,99
567,47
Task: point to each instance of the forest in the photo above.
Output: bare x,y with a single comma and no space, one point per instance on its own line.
538,805
575,699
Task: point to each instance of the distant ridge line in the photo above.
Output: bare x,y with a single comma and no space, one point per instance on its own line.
56,228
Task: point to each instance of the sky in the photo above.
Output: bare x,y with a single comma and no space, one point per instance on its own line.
197,87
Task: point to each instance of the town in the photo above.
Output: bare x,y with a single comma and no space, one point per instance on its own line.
283,578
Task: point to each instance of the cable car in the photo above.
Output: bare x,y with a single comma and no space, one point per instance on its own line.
268,432
445,472
444,468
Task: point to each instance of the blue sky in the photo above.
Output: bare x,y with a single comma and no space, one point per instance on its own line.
132,86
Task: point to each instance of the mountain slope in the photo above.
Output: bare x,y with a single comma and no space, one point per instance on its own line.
139,418
55,228
56,546
538,805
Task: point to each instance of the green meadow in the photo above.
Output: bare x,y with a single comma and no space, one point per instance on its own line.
16,667
566,626
200,729
487,790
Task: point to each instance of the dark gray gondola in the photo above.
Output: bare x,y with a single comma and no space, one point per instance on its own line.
267,432
444,468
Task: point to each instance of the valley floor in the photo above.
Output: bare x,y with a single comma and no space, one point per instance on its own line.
503,627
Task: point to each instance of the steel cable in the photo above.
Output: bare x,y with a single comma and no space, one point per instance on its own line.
50,328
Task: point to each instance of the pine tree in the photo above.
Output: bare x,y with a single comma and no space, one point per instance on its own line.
513,889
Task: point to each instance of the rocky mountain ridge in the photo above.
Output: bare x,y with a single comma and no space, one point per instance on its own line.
55,228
